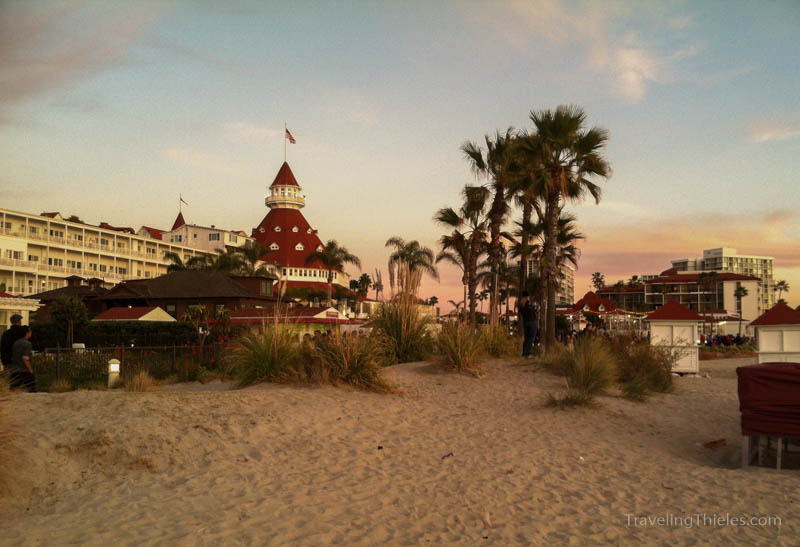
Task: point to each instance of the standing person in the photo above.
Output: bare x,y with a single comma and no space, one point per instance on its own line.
21,370
527,315
14,333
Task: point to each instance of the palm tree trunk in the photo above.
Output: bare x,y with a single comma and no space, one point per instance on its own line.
527,212
496,221
551,228
330,287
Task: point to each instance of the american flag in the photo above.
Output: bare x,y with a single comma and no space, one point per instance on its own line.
289,136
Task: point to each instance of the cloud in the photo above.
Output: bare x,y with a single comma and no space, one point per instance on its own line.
208,162
42,47
773,129
629,63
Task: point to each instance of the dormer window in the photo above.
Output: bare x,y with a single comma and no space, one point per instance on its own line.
294,229
261,230
602,308
586,307
274,247
319,248
277,228
308,231
299,247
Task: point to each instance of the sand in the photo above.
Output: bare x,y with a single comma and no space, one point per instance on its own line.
453,460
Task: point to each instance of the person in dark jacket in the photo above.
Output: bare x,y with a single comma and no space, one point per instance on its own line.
21,372
11,335
527,316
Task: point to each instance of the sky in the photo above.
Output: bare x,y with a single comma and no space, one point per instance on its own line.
112,110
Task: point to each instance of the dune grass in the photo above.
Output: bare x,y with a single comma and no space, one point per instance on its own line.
461,346
643,369
353,359
139,382
498,343
268,353
589,369
62,385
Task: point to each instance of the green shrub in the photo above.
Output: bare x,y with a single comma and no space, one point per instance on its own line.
557,359
267,353
590,367
353,359
461,346
643,368
406,329
61,385
498,343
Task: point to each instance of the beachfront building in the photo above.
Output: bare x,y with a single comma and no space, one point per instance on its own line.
206,238
565,292
677,327
290,238
12,305
726,259
39,252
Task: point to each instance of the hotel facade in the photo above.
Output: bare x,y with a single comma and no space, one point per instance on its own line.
39,252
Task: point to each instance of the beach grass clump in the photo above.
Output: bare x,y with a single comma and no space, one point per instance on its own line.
557,360
268,353
353,359
497,341
61,385
461,346
643,368
406,328
589,369
139,382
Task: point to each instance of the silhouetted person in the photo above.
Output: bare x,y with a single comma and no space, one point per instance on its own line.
527,316
14,333
21,373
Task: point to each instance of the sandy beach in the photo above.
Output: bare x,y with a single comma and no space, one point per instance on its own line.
450,460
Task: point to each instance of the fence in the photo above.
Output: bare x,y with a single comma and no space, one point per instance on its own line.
89,367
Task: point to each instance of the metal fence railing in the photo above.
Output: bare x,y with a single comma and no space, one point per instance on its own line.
89,367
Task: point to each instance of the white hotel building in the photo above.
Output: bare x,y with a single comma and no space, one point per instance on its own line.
38,252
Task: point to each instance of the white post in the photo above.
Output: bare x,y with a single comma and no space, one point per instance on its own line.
113,373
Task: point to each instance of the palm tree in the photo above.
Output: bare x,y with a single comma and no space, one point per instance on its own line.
740,293
178,265
562,156
598,281
332,258
471,217
493,163
411,254
252,253
377,283
781,286
363,284
455,250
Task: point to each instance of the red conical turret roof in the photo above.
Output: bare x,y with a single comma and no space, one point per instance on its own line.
178,222
285,177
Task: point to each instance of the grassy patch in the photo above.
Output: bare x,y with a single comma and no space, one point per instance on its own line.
355,360
498,343
461,346
643,369
406,329
60,386
267,353
589,369
139,382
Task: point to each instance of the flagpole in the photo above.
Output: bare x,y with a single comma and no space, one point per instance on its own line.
284,142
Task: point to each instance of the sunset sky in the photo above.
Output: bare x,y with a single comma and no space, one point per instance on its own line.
110,110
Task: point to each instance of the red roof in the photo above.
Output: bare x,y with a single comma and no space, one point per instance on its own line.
6,295
178,222
287,239
779,314
297,314
124,313
125,229
285,177
694,277
155,233
673,311
594,302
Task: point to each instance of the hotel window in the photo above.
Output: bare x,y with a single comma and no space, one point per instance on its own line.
93,266
213,237
266,287
299,247
284,271
55,261
16,255
104,242
274,247
33,258
172,309
176,239
56,233
294,229
122,270
308,231
33,229
319,247
78,237
233,238
7,225
103,268
277,228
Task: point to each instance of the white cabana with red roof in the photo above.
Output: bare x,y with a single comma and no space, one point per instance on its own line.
677,327
778,335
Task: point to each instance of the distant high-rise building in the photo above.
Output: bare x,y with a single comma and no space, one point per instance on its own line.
565,292
728,260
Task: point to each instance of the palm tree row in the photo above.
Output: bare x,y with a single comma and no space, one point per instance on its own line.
245,260
557,162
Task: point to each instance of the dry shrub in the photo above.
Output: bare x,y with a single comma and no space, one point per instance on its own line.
4,385
557,359
356,360
139,382
643,369
268,353
497,341
62,385
461,346
402,322
590,367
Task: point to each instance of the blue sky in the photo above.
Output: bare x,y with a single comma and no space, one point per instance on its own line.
110,110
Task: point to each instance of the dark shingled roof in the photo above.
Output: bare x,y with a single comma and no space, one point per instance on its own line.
84,292
183,284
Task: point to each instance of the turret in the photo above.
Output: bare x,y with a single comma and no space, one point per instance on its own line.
285,193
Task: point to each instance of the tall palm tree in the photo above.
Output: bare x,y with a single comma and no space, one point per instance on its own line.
252,253
740,293
598,281
177,265
565,157
470,220
781,286
493,163
455,250
332,258
412,255
377,283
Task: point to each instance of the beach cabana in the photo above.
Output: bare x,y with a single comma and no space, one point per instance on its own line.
778,335
677,327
